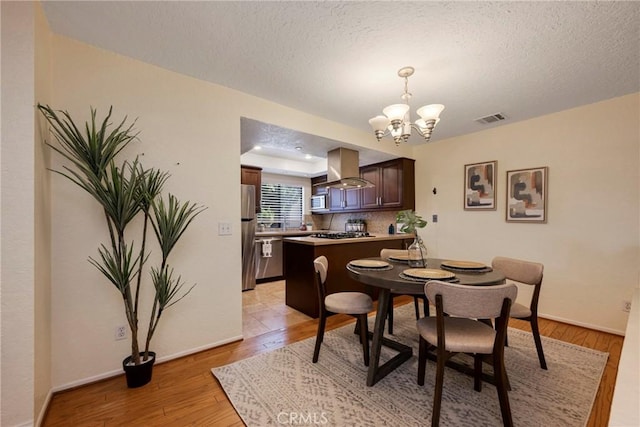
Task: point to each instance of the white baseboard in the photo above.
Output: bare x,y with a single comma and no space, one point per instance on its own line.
43,409
581,324
117,372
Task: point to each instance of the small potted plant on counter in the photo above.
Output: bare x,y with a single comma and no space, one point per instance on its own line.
125,192
408,222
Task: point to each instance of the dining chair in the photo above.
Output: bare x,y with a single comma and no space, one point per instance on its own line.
355,304
456,329
386,254
528,273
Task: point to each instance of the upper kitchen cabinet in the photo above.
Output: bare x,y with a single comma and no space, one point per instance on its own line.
252,175
337,200
344,200
316,188
394,189
394,182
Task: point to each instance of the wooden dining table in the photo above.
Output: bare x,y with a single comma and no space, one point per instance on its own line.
385,280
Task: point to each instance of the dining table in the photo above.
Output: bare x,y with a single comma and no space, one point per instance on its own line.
388,275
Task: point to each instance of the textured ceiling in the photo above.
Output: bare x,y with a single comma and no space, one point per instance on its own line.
339,60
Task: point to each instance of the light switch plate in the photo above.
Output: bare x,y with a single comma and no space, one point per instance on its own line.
224,229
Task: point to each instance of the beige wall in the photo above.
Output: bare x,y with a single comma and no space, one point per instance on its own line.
42,210
182,120
17,249
590,243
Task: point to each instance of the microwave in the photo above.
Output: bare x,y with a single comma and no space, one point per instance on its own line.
319,202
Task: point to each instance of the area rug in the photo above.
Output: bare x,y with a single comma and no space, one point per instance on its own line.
284,387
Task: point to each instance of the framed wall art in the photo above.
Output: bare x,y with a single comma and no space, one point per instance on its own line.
480,186
527,195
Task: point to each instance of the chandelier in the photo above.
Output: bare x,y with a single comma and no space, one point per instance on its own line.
397,118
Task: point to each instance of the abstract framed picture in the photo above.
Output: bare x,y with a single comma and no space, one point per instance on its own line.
480,186
527,195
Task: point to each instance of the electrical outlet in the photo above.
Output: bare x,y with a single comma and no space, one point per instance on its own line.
121,332
224,229
626,306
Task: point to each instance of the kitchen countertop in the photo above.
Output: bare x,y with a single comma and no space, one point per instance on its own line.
315,241
291,233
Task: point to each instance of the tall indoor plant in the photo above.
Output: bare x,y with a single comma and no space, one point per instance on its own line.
125,192
410,223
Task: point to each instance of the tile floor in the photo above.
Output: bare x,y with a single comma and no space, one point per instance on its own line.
264,310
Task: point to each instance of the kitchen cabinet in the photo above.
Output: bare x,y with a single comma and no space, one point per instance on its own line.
394,182
338,200
344,200
252,175
394,189
317,189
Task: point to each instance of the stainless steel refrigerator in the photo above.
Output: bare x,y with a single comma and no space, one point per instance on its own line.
248,223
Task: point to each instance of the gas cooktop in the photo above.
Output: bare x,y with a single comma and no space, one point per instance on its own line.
342,235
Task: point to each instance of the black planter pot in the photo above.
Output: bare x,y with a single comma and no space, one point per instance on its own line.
139,375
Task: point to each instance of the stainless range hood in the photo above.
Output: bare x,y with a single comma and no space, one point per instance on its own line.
343,170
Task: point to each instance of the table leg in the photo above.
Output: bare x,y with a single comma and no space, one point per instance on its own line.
377,372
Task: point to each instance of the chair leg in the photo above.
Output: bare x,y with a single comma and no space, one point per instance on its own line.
425,306
390,315
320,336
501,387
536,337
477,377
416,306
422,360
364,337
437,395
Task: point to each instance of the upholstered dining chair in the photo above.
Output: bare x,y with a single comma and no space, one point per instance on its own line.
356,304
386,254
455,329
528,273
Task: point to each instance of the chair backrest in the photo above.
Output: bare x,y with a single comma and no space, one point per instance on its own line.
527,272
480,302
321,265
388,253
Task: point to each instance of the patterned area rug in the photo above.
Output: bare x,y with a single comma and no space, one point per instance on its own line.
284,387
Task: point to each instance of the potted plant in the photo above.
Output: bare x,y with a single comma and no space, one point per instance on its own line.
125,192
409,222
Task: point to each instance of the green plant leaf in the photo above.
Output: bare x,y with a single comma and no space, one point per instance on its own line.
171,221
410,221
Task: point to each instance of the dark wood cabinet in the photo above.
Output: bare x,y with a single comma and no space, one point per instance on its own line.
252,175
344,200
394,189
394,182
316,188
339,200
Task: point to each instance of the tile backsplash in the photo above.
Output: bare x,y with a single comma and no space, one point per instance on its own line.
377,222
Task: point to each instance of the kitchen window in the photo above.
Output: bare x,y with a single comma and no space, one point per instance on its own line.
281,206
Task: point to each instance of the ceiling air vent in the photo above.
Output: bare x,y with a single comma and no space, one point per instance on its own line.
491,118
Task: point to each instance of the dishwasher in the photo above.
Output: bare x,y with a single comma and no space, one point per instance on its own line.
268,251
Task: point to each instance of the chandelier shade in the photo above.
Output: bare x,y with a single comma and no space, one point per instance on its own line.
396,120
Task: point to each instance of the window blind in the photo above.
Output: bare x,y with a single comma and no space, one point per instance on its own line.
281,205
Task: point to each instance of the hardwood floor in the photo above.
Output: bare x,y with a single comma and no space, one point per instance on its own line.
184,392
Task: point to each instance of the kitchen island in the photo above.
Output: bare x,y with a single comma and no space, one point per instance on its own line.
299,253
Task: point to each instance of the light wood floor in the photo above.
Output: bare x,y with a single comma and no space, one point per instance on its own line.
264,310
184,392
